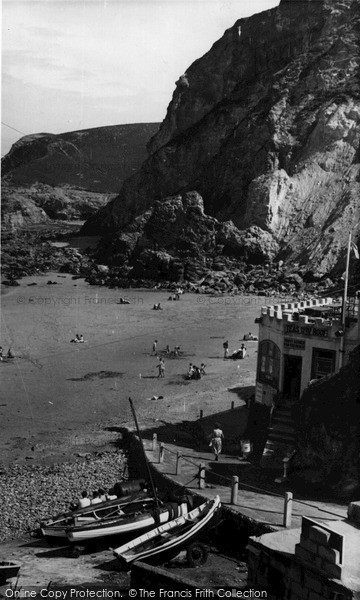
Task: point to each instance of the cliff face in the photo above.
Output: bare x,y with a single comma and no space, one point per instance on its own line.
265,127
70,175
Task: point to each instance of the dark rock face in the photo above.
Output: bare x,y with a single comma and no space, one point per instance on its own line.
329,437
176,240
265,127
71,175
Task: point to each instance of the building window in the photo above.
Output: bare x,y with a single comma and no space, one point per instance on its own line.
269,363
323,363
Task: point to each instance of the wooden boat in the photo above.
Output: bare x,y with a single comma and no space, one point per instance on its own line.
56,527
167,540
132,517
8,569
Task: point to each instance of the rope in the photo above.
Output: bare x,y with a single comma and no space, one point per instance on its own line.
252,487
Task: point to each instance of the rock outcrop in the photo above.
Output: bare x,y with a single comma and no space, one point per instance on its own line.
69,176
265,127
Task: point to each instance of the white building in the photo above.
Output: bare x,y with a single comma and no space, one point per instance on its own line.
299,342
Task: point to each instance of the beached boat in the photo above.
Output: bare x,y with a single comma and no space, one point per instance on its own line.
56,527
133,517
8,570
167,540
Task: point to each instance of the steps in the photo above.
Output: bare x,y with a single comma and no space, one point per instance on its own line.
280,439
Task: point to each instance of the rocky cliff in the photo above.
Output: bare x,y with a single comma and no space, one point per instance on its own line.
70,175
265,127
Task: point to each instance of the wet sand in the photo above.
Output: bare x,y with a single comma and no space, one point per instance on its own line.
55,392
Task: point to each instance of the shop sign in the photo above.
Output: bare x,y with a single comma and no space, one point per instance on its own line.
306,330
294,344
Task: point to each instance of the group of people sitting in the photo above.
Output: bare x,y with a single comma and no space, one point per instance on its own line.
78,339
157,306
97,497
195,372
240,353
175,352
123,301
8,355
175,296
249,337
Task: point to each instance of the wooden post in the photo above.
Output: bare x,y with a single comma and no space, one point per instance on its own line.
201,476
154,441
287,509
234,489
161,452
232,405
201,414
178,463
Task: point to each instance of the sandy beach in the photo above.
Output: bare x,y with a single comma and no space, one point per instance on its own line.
55,392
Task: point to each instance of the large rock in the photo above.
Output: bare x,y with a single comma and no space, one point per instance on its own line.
265,126
176,240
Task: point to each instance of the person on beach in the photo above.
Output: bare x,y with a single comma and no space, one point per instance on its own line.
190,372
202,369
111,495
242,351
168,349
226,349
1,353
102,495
216,440
10,354
84,500
96,498
154,346
161,367
197,373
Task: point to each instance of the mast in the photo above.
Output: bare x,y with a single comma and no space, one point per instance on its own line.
343,309
145,457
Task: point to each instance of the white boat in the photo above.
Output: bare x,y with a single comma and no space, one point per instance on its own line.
56,527
132,517
167,540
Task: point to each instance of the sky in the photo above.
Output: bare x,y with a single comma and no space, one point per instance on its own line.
76,64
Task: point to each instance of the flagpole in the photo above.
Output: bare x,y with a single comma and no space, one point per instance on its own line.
343,309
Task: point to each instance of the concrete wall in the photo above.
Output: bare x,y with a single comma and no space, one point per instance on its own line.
284,576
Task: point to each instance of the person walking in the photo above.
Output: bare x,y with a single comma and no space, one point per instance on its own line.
216,441
161,367
154,346
226,349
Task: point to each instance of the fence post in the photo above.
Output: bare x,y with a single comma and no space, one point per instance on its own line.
201,476
234,489
161,452
287,509
178,463
154,441
201,413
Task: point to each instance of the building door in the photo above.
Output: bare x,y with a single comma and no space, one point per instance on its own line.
292,377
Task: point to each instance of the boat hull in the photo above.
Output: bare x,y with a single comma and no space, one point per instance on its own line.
8,570
166,541
122,526
56,528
